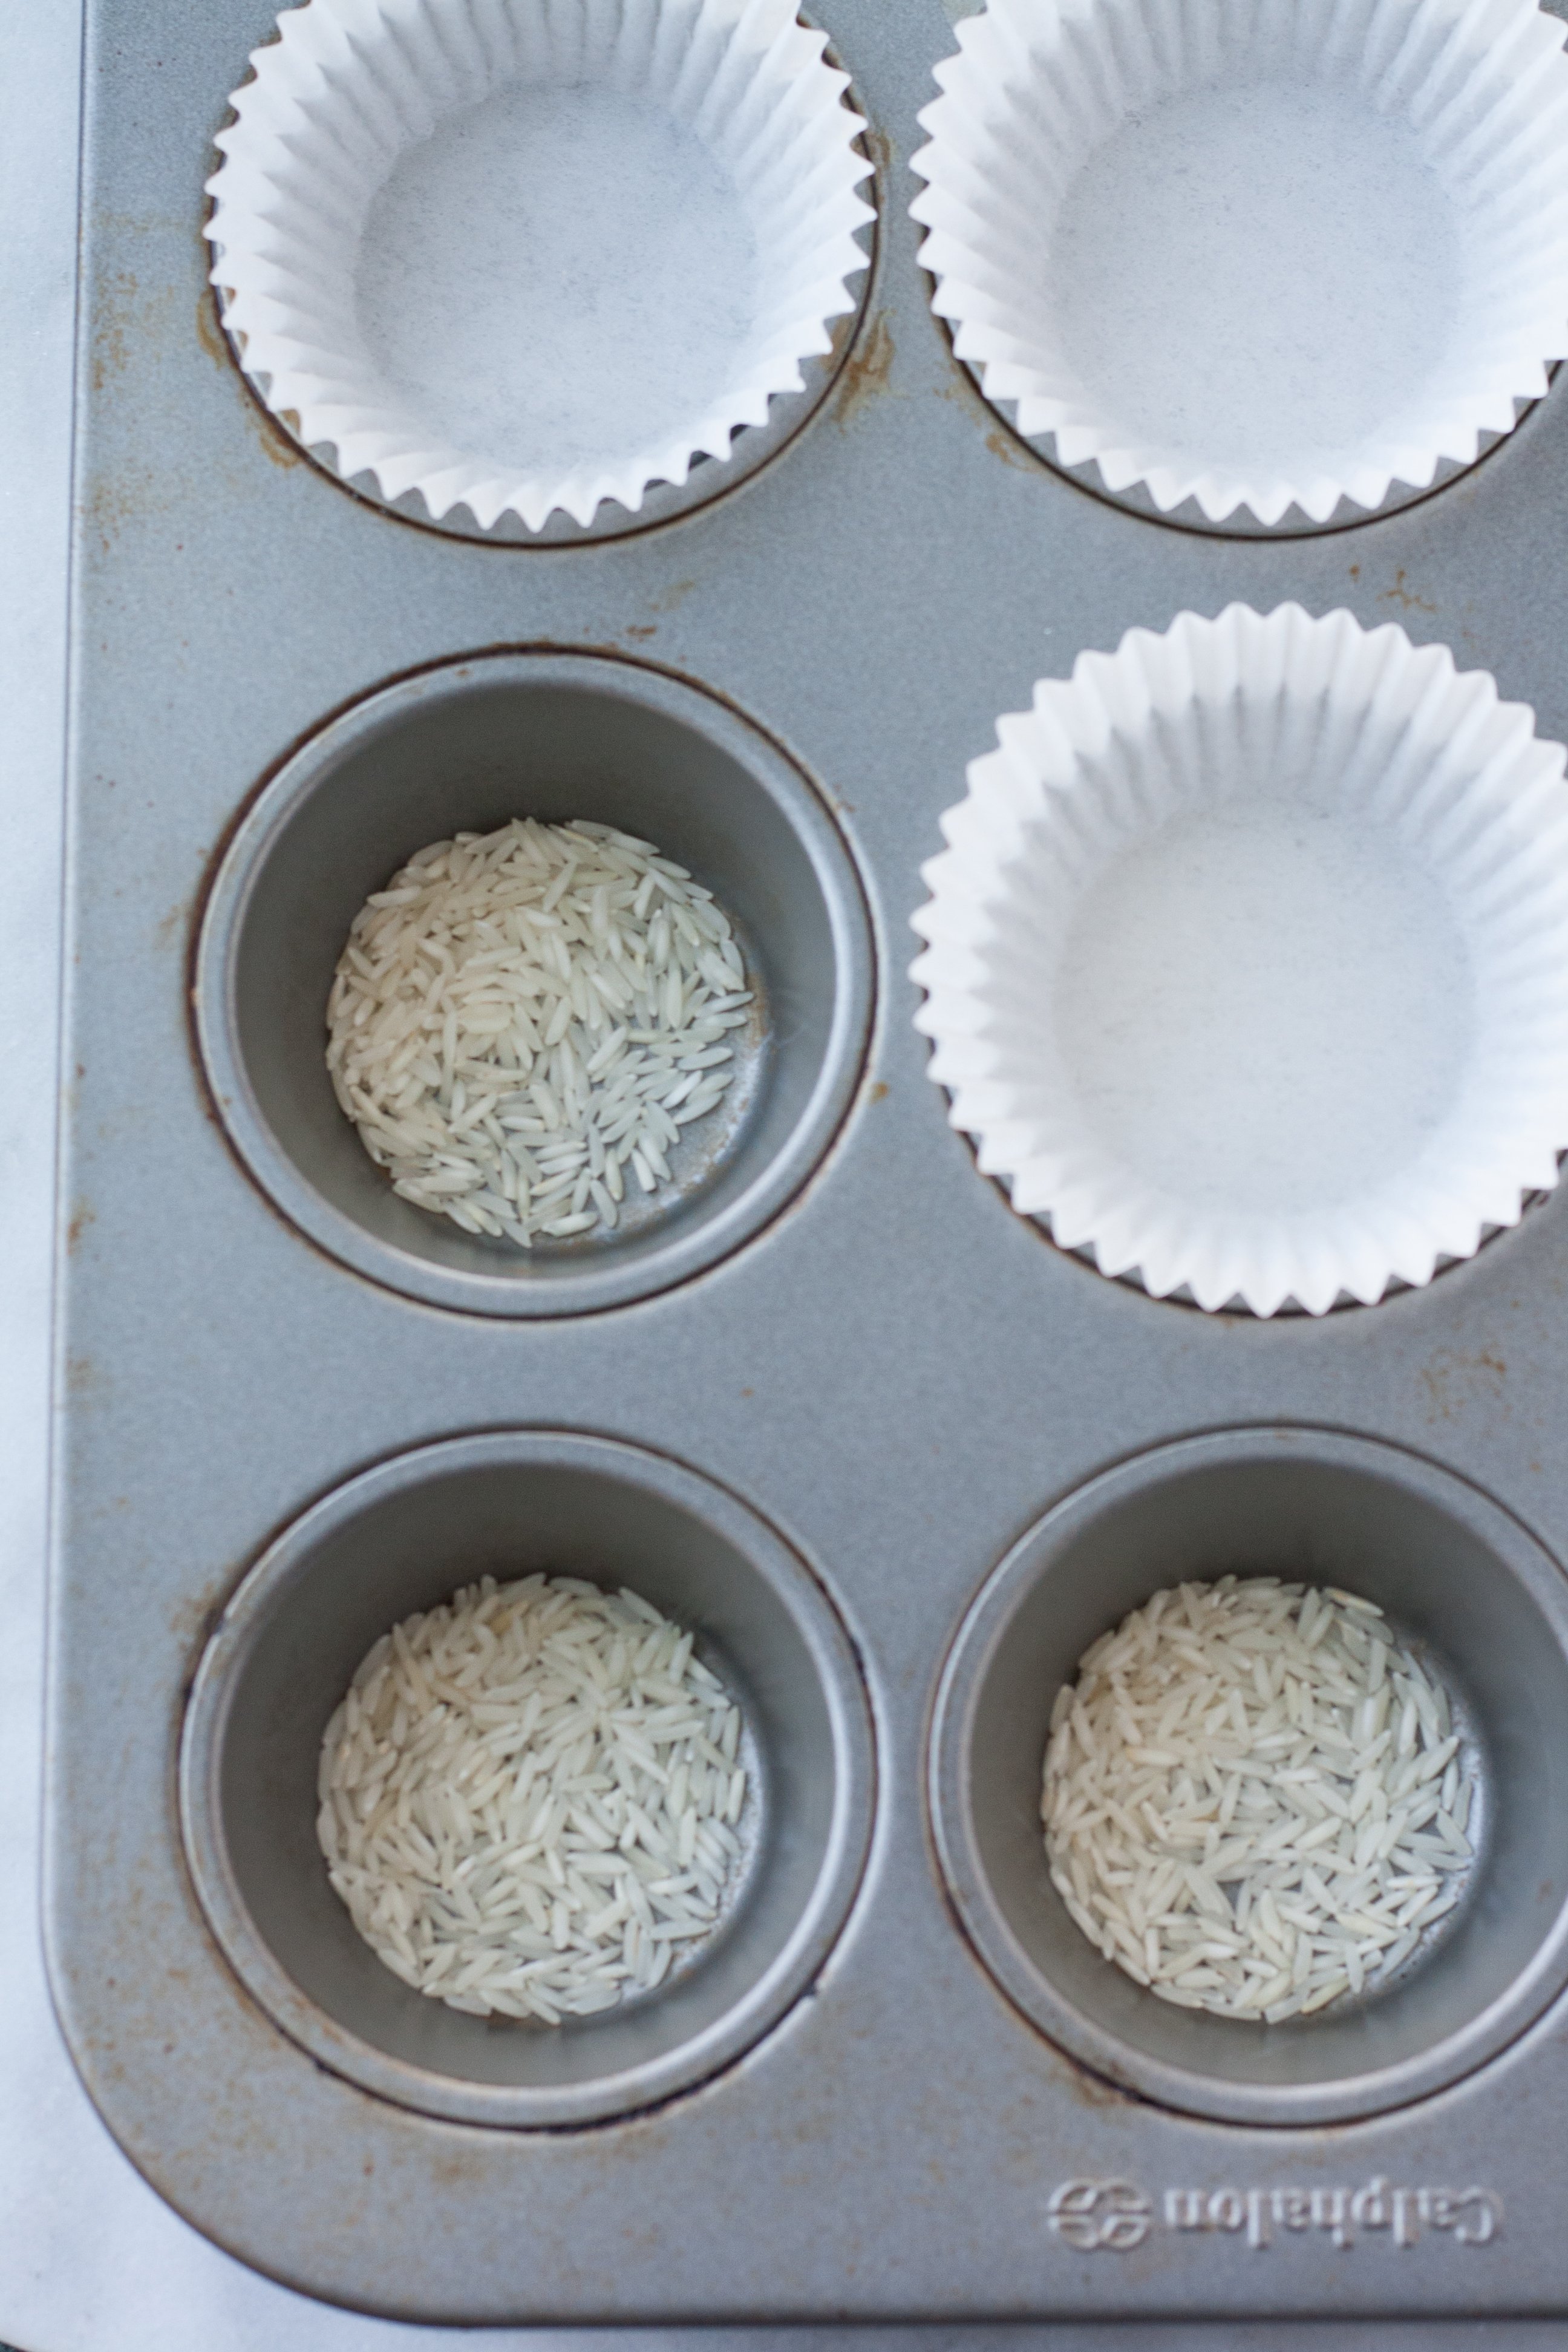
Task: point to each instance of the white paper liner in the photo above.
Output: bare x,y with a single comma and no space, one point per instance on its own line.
1248,961
751,119
1254,252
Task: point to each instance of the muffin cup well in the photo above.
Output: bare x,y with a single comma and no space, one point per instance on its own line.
466,747
1452,1569
402,1537
1255,265
1247,961
512,265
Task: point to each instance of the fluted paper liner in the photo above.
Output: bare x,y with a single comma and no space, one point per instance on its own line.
351,86
1401,166
1353,861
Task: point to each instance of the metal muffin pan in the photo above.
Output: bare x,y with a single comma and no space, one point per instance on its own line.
400,1538
464,748
886,2094
1451,1569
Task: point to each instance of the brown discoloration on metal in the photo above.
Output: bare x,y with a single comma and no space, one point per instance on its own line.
878,149
1096,2092
113,500
128,317
866,371
1457,1376
275,441
878,1091
964,393
169,925
673,597
209,333
462,2168
85,1214
670,602
1408,600
1012,451
195,1620
110,349
279,448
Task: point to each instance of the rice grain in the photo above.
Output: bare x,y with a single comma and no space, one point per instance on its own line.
521,1016
527,1797
1247,1797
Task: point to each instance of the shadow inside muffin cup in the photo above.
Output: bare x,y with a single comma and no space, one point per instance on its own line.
402,1537
1457,1576
466,748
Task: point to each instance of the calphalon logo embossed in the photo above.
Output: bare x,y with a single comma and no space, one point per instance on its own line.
1114,2216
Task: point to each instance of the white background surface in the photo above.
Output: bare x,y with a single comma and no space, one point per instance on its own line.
90,2259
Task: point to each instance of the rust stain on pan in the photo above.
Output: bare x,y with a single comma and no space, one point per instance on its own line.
673,596
194,1620
1003,445
866,371
1409,600
878,146
110,351
209,334
115,499
1095,2091
129,319
85,1215
274,441
1457,1376
670,600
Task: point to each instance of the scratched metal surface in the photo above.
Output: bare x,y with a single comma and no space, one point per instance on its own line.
899,1374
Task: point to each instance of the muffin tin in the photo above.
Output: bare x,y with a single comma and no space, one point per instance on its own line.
449,750
893,1454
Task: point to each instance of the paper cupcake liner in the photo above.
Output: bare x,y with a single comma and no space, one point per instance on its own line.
690,226
1247,961
1261,254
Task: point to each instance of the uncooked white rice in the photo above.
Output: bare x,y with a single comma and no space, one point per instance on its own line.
1255,1799
529,1797
522,1016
